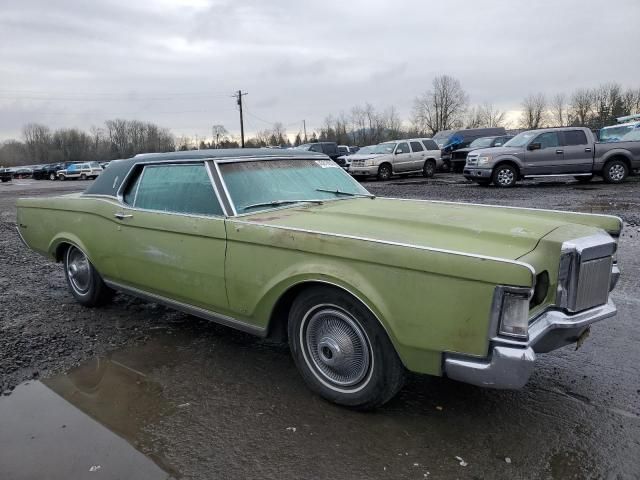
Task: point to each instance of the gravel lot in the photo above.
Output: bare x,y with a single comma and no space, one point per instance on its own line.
211,402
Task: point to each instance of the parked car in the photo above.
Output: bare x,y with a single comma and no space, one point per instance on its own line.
553,151
458,157
289,246
82,171
49,171
345,152
451,140
397,157
5,175
330,149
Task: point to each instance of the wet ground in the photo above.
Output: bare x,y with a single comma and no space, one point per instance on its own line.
134,390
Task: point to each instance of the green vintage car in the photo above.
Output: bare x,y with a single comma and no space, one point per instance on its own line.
286,244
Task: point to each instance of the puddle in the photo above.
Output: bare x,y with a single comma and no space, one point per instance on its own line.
91,419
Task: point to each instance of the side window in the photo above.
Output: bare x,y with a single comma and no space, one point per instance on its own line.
499,141
575,137
174,188
416,147
430,145
402,148
315,148
547,140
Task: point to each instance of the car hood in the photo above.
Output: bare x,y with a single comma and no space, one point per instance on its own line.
497,150
365,156
481,230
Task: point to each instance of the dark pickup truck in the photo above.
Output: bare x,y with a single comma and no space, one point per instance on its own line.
553,152
5,175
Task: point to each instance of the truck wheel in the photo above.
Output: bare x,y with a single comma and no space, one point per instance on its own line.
584,178
62,177
615,171
505,176
83,280
446,166
429,168
83,177
384,172
52,176
341,351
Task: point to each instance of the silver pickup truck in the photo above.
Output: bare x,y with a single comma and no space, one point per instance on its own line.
553,152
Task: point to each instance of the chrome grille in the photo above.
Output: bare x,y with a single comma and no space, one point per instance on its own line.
472,160
584,275
592,288
357,163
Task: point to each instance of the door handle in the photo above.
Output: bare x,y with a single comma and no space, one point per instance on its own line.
587,149
121,215
559,151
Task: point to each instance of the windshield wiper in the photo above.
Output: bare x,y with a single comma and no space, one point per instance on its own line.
275,203
337,191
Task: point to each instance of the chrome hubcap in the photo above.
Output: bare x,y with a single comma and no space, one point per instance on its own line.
78,270
337,347
616,172
505,176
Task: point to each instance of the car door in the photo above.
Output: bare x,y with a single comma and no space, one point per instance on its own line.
578,152
172,236
402,158
418,155
546,159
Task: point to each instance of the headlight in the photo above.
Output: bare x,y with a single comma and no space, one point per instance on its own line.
369,163
484,160
514,315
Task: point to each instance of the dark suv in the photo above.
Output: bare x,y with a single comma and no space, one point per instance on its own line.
328,148
451,140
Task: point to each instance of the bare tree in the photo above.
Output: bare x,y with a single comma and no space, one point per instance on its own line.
37,139
219,133
441,108
559,110
580,107
534,111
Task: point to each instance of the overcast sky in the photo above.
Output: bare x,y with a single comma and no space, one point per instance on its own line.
76,63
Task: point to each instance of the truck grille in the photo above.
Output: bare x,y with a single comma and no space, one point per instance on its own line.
357,163
472,159
584,276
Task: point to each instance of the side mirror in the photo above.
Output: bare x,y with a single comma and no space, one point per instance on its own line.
534,146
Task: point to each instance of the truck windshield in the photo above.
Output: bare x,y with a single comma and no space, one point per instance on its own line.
521,139
262,184
442,138
633,135
481,142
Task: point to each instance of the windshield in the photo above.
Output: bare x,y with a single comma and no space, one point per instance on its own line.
263,184
521,139
367,150
481,142
614,134
382,148
441,138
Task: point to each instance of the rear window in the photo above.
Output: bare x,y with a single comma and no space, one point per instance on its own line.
575,137
430,145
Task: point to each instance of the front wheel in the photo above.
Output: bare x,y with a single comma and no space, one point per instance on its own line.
83,280
83,177
429,168
505,176
342,351
52,176
62,177
615,171
384,172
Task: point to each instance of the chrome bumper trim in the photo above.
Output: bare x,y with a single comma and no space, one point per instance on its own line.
509,366
21,237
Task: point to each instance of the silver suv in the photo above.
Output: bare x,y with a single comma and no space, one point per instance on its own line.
413,155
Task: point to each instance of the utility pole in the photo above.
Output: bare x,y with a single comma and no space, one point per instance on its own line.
304,126
239,100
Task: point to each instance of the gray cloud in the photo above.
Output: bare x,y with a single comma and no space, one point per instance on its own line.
77,63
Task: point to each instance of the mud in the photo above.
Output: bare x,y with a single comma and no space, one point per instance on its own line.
145,392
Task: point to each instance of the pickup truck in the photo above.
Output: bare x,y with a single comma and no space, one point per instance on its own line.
553,152
5,175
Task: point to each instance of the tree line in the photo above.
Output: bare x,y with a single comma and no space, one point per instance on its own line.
118,138
444,106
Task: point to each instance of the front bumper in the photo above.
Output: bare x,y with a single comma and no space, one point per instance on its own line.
510,362
373,170
471,173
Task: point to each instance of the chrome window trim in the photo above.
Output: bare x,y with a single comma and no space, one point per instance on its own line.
224,189
397,244
506,207
208,166
189,309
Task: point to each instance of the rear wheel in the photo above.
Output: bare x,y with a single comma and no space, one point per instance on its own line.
429,168
83,280
52,176
83,177
341,350
505,176
384,172
62,177
615,171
